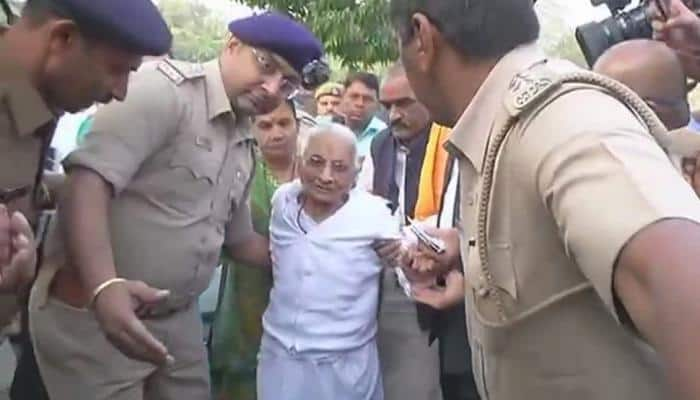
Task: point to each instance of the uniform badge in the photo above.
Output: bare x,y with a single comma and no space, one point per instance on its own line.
527,87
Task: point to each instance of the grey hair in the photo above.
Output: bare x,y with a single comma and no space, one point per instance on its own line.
337,130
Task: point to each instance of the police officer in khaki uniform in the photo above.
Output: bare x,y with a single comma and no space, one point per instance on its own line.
579,238
60,55
159,185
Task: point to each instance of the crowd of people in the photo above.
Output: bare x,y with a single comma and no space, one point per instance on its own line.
480,222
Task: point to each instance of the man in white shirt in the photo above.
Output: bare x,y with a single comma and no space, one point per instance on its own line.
320,327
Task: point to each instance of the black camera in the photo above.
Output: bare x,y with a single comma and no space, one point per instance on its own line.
596,37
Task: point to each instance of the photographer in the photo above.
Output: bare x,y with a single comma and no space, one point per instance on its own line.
681,32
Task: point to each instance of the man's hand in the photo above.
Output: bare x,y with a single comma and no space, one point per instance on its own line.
390,252
691,172
443,298
681,32
422,258
17,252
115,310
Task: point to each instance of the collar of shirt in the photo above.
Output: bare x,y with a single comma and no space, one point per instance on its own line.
375,126
217,100
27,108
471,133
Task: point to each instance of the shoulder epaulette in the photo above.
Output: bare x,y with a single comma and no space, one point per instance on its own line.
179,72
529,87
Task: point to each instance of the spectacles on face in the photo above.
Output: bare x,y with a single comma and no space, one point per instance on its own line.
269,67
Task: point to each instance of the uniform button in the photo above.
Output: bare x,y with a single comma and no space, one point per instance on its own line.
484,292
307,273
232,193
239,174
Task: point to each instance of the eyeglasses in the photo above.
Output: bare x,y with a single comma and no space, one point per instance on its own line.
269,67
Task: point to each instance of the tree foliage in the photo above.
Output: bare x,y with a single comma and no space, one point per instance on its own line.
198,33
356,32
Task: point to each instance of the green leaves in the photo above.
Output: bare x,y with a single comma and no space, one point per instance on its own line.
356,32
198,33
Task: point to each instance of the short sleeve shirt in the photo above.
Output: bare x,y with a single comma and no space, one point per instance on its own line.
573,184
26,128
179,161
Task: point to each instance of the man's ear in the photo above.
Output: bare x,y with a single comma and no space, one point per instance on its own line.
232,43
62,35
425,41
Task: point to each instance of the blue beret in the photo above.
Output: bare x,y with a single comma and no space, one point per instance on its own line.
134,25
281,35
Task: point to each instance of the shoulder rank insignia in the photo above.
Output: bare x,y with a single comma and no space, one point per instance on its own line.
528,87
178,72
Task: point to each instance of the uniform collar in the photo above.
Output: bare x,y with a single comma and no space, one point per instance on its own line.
471,132
27,108
217,100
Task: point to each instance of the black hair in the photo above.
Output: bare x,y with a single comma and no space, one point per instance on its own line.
292,107
366,78
481,29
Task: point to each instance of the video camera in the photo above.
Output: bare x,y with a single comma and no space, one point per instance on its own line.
596,37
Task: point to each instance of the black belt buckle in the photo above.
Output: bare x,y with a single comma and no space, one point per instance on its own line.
9,195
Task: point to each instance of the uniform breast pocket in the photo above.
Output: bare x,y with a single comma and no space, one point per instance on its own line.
502,269
193,174
237,175
498,278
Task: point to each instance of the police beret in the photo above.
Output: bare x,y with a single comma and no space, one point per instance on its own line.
134,25
329,89
281,35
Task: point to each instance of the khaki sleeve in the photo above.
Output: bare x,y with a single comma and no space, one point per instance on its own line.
603,178
124,134
240,226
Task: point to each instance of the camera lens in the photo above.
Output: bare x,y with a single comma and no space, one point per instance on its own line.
596,37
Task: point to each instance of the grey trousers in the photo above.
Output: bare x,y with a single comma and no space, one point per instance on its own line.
77,362
349,375
410,366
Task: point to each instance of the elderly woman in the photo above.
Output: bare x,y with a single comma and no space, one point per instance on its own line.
320,326
238,325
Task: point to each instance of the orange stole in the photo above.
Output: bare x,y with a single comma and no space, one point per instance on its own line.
432,177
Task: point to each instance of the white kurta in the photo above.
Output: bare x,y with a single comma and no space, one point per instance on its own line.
320,327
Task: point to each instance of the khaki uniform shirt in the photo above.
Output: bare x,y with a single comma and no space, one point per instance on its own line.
180,162
574,183
26,128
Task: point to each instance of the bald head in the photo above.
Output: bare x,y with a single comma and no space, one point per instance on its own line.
654,72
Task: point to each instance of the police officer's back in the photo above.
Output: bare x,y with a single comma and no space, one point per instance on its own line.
578,232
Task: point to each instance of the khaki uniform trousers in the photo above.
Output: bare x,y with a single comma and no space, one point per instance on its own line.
78,363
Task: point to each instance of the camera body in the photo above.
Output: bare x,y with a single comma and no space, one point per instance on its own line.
596,37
